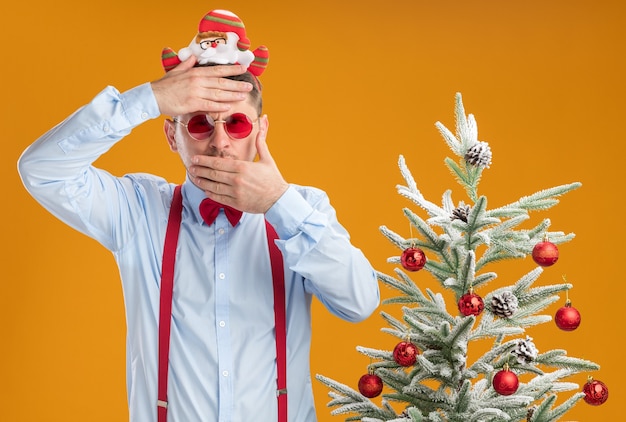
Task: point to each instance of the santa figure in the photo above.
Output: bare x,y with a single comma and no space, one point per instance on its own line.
221,39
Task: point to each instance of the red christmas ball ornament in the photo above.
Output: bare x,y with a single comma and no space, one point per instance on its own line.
505,382
405,353
370,385
545,253
596,392
567,318
413,259
471,304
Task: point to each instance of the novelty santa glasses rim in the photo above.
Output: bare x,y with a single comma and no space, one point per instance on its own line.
202,126
212,42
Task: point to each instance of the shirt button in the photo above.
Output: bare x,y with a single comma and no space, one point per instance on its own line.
225,373
221,231
222,324
144,115
222,276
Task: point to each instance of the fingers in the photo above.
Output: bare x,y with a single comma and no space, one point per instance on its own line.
222,71
187,89
219,89
215,77
187,64
214,169
216,179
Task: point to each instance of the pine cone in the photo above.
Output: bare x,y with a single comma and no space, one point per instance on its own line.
525,351
406,415
504,305
461,212
479,155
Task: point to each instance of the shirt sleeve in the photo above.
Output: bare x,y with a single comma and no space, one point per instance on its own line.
57,169
316,246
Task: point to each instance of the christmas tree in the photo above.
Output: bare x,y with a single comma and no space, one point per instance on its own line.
428,374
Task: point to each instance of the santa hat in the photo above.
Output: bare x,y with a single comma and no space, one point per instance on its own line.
223,21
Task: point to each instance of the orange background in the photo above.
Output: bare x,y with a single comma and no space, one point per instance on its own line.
350,87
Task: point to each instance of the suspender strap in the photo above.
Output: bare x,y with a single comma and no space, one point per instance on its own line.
278,276
165,312
167,288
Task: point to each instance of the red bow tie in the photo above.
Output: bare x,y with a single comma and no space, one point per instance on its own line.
209,209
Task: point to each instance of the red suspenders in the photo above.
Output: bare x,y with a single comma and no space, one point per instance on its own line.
165,314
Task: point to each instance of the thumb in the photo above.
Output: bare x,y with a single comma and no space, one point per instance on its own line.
262,149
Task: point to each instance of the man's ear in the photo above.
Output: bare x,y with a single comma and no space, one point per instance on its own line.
264,123
170,130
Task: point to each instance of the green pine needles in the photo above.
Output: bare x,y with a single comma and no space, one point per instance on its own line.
460,241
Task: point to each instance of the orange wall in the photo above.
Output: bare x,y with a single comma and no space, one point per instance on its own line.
348,89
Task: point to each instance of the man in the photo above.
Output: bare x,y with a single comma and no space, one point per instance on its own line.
212,351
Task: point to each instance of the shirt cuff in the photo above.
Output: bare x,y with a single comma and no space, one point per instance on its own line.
140,104
288,213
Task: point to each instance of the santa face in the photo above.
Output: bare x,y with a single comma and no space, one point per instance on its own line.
215,47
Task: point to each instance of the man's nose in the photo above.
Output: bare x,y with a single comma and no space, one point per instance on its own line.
220,138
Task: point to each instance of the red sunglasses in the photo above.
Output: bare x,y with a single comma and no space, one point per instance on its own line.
201,126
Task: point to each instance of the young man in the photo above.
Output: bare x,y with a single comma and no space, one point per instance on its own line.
212,351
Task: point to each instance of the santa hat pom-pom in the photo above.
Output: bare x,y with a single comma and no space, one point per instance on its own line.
169,59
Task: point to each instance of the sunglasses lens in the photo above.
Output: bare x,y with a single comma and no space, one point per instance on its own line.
200,128
238,125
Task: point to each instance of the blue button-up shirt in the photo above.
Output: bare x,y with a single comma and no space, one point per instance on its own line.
222,352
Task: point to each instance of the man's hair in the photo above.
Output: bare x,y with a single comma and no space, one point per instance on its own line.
255,95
